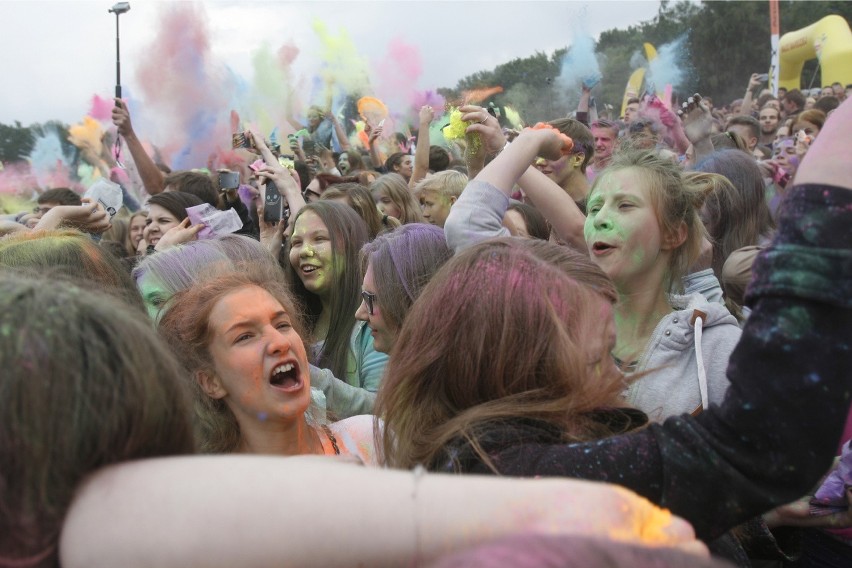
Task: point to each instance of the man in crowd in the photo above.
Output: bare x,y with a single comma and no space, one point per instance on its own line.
769,119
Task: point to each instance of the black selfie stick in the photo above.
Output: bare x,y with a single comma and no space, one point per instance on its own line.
118,10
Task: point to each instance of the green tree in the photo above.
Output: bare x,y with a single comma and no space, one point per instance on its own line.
16,142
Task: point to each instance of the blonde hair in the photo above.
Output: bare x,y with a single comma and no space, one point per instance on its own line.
676,196
396,188
447,184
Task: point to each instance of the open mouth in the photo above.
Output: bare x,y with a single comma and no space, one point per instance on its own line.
309,268
286,377
601,248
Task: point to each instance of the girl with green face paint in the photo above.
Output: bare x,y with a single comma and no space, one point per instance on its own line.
323,271
644,231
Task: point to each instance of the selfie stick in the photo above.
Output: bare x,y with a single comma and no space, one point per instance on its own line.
118,10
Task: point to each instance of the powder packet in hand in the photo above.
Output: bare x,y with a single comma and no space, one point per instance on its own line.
216,222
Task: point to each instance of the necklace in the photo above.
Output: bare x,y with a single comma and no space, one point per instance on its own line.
331,437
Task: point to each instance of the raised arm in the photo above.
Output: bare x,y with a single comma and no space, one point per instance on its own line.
421,154
342,139
152,177
753,83
778,428
482,211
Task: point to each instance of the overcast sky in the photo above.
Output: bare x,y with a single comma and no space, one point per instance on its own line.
57,54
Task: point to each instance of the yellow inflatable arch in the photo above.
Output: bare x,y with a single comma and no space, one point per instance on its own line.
829,40
634,83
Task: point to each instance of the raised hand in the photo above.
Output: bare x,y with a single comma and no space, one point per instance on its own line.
697,120
486,126
121,118
178,235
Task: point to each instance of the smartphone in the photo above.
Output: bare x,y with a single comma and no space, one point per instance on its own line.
286,161
228,180
240,140
763,76
272,205
309,147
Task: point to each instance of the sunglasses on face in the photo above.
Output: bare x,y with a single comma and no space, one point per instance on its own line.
369,300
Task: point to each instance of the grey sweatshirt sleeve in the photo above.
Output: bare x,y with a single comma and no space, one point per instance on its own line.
476,215
342,399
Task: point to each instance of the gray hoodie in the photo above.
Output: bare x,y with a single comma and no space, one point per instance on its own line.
673,383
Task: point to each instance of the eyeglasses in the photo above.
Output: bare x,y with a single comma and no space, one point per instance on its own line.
369,299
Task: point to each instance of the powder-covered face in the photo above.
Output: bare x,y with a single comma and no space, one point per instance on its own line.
159,221
557,170
785,154
260,364
154,295
435,207
311,255
386,205
137,226
622,230
384,335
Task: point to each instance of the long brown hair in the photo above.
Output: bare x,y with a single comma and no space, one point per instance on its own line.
498,333
85,384
186,328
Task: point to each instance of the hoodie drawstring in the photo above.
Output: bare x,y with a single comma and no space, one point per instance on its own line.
698,318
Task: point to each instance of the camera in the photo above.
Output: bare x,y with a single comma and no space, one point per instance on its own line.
120,8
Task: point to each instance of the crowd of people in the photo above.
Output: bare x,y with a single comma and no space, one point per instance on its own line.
651,310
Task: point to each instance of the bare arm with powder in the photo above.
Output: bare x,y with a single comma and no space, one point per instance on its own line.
421,154
264,511
152,178
557,206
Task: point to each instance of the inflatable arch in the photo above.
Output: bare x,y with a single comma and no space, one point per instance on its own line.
829,40
634,83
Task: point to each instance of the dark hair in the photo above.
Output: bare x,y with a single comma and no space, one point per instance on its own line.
796,97
736,215
728,140
175,202
633,100
85,384
439,159
394,160
827,104
195,183
583,139
304,174
537,225
60,195
746,120
348,233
